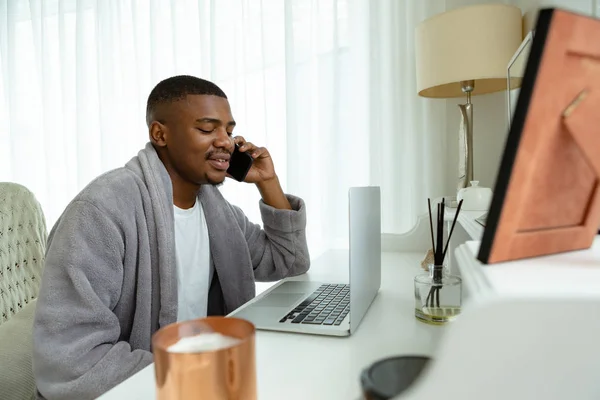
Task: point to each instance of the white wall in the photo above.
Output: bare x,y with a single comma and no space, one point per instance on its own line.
490,127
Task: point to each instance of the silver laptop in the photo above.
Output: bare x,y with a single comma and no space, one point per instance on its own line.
329,308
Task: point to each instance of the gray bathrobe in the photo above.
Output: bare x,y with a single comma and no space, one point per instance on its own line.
110,280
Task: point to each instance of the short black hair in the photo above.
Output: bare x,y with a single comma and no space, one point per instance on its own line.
176,88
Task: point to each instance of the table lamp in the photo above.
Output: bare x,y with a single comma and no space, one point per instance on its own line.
465,52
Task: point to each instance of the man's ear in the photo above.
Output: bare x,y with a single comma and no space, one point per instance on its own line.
158,134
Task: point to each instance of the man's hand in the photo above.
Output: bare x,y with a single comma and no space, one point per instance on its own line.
262,173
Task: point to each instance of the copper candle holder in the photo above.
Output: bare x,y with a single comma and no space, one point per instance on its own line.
223,374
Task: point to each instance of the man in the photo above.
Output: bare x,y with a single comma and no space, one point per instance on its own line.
155,242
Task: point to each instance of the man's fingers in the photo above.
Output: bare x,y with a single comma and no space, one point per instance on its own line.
250,148
259,151
247,146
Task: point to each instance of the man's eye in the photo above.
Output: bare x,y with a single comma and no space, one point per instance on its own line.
230,133
206,130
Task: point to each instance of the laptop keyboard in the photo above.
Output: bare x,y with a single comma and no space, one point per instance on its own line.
328,305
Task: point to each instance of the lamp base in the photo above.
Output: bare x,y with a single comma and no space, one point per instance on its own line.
465,138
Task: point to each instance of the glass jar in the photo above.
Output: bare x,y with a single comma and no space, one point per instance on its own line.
438,295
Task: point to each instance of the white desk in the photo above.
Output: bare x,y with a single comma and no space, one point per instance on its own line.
512,341
296,366
566,275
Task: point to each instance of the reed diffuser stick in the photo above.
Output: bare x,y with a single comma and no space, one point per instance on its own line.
439,250
452,229
431,225
440,234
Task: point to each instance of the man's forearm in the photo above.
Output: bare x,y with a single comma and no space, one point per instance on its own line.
272,194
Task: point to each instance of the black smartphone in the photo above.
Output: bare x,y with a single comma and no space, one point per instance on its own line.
239,164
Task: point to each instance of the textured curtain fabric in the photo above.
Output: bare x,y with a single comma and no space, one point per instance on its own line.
408,155
328,86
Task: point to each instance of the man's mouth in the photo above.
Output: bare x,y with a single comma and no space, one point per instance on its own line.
219,161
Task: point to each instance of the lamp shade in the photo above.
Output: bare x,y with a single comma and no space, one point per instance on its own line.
470,43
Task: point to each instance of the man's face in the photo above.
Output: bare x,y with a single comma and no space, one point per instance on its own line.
198,137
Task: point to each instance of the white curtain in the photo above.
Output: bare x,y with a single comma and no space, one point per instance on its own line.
326,85
409,154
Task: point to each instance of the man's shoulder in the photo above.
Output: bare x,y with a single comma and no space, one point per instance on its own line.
118,189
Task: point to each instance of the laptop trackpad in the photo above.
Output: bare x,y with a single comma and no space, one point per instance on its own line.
280,299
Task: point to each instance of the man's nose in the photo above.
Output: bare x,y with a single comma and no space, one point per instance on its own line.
223,140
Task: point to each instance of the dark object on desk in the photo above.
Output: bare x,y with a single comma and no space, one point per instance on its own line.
389,377
547,194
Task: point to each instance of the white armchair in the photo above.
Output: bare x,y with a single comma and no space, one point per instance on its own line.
22,246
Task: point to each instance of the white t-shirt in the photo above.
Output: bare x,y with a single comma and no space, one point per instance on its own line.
194,269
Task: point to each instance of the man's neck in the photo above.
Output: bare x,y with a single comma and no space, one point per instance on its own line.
184,195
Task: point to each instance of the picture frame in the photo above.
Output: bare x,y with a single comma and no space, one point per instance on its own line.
547,194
